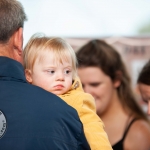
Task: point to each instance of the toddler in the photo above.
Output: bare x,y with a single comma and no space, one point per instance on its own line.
50,63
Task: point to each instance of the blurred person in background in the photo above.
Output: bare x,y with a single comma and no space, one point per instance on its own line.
144,84
103,74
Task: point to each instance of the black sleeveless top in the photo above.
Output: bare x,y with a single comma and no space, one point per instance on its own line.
119,145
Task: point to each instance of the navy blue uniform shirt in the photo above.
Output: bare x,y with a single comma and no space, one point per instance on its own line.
32,118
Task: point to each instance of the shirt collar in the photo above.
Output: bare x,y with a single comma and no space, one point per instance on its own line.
11,68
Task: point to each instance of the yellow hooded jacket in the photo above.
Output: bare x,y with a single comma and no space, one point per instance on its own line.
85,105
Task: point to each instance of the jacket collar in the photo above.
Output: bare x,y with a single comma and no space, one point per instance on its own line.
11,69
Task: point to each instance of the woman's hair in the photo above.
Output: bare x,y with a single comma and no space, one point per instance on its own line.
98,53
38,44
12,17
144,75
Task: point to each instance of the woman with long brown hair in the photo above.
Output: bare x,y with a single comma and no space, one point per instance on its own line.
144,84
104,75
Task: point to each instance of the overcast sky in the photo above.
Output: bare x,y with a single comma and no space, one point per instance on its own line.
85,18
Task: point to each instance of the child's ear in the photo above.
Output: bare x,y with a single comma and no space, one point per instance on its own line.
118,79
28,75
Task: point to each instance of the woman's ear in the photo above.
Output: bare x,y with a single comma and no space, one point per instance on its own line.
118,79
28,75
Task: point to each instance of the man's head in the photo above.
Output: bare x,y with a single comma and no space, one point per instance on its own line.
12,17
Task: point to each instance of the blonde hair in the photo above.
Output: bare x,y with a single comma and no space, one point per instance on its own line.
40,43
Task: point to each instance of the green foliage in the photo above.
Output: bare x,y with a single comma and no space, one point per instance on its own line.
145,29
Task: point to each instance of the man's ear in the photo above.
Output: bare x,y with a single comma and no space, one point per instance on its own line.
118,79
18,44
28,75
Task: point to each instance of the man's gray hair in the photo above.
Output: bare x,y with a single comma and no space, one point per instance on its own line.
12,17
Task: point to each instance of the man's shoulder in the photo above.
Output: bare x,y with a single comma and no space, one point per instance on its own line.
26,94
45,96
39,113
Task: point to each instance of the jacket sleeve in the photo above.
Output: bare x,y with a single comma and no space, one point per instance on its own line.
92,124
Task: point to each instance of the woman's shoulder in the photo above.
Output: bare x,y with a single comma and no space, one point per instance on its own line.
138,135
140,127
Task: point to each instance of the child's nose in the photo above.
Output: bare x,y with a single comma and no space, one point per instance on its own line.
60,76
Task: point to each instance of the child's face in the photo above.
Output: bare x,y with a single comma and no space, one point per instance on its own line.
145,93
51,76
